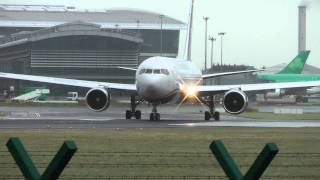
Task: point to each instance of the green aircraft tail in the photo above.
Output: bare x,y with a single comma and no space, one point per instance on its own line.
297,64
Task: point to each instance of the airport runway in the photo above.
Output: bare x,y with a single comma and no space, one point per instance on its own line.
81,117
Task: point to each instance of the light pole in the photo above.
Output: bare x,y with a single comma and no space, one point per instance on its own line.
189,37
139,45
138,27
221,34
205,42
212,39
117,27
161,21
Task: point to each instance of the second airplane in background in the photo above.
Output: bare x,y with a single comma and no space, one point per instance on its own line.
291,73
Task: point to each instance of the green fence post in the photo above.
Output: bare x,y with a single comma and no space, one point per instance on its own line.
54,169
22,159
225,160
262,162
60,161
231,169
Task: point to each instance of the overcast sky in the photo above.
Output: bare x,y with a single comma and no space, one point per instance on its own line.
258,32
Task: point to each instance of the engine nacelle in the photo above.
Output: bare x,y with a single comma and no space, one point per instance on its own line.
313,90
276,94
235,101
98,99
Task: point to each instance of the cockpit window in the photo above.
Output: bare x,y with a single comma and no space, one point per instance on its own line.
148,71
156,71
164,71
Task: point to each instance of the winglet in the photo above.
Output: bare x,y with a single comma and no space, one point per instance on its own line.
297,64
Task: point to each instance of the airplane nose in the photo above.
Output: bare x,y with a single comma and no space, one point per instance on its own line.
155,87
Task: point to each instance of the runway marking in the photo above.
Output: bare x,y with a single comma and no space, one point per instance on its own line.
293,124
34,115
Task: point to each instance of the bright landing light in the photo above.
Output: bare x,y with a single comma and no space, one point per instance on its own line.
190,92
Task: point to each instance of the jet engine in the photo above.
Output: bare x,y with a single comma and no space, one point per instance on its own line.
98,99
235,101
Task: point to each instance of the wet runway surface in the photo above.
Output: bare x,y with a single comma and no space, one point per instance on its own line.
81,117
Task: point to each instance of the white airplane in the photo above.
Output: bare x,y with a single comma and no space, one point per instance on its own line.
159,80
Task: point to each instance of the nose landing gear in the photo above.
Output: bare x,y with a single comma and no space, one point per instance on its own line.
212,113
154,116
133,112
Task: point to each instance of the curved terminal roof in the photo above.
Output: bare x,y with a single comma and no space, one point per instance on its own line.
67,29
47,16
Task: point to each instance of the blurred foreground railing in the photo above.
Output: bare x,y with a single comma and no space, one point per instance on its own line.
226,162
28,168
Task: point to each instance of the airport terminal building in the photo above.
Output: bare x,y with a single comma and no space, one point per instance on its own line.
66,42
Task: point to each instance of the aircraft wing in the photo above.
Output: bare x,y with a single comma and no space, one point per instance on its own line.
206,76
216,89
128,68
130,88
